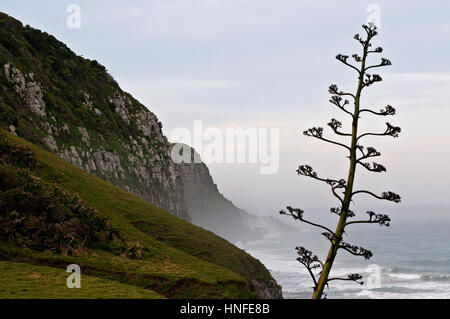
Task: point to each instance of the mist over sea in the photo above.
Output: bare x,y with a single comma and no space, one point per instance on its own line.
413,258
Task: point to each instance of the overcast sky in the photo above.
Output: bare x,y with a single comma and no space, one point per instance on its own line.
267,63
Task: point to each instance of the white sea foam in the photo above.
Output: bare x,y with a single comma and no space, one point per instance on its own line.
296,281
406,271
405,276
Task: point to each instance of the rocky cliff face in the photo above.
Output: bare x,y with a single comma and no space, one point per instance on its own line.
207,207
72,107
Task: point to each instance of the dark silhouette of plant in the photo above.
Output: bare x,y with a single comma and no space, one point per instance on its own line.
359,156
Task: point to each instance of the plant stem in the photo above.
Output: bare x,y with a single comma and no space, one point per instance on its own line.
323,279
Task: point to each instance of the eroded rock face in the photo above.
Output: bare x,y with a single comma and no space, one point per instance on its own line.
84,135
122,103
12,129
267,290
146,170
25,86
207,207
50,142
139,162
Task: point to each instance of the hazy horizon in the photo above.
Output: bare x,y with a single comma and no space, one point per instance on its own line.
269,64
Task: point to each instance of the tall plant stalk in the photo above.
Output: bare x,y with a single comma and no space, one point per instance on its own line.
343,189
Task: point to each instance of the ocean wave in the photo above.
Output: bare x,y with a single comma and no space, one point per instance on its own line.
412,274
398,292
435,277
401,276
399,270
429,262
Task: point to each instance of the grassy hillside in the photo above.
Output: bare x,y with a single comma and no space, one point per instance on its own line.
151,249
22,280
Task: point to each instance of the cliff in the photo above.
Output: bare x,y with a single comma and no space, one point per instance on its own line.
208,208
74,108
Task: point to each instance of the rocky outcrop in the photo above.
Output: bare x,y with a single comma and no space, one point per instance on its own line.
74,108
138,162
141,164
267,289
29,90
207,207
121,104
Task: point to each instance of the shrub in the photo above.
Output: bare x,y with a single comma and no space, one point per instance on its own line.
40,215
15,154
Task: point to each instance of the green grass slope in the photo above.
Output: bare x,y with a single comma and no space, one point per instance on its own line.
174,258
22,280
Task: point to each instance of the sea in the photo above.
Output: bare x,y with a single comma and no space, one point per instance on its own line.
410,260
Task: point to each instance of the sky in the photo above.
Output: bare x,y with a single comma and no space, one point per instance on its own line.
268,64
